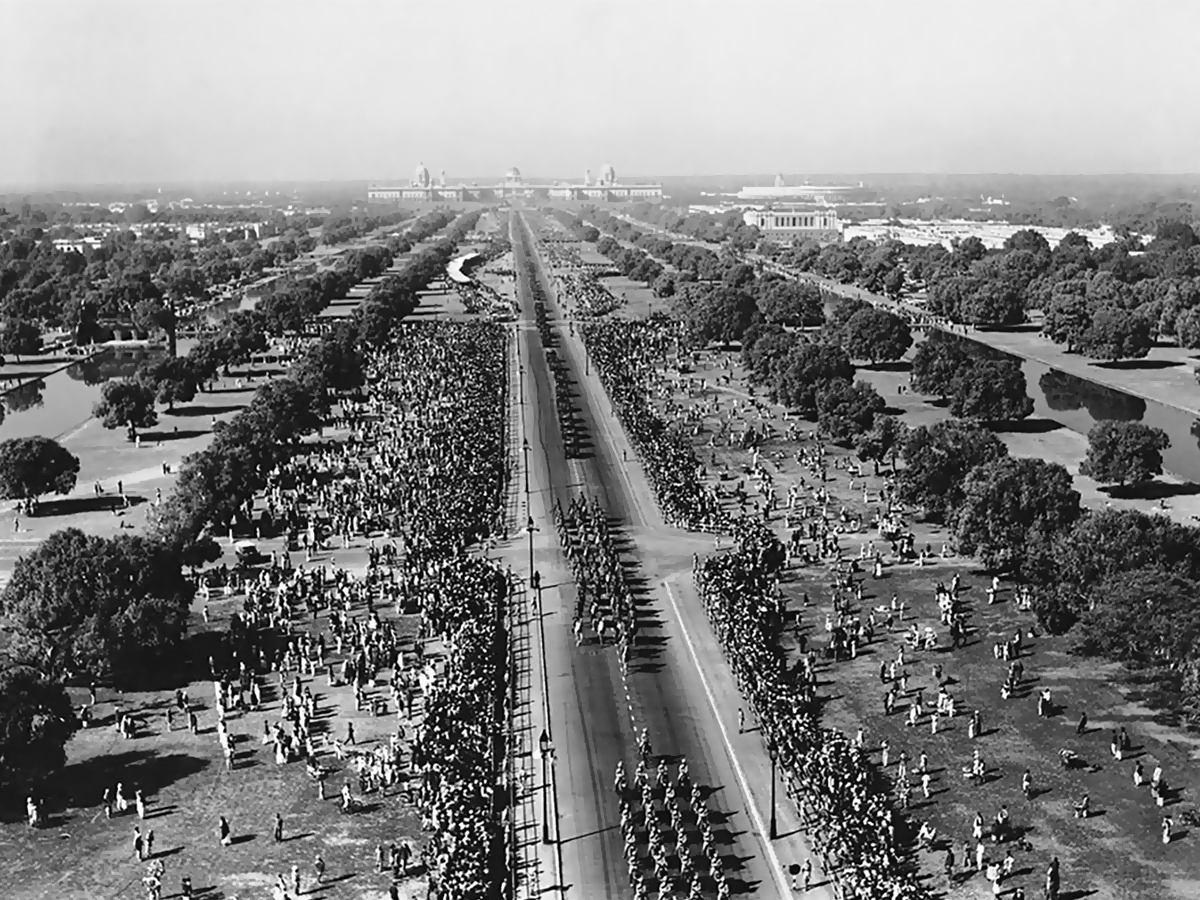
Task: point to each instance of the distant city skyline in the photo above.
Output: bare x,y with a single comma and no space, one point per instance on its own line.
179,92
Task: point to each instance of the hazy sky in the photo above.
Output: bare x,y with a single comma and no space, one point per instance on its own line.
121,91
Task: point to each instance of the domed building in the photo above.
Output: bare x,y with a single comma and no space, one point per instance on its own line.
424,189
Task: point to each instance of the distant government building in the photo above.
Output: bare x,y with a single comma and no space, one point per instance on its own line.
423,189
786,212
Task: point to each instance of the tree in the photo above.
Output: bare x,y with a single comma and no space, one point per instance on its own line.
33,466
994,301
1105,541
36,721
245,333
764,346
153,314
126,402
875,334
795,303
893,283
1187,328
20,338
991,391
939,359
722,315
1116,334
883,441
1029,240
844,309
1067,316
801,374
846,410
937,459
1147,616
1124,452
1007,500
173,379
282,411
105,608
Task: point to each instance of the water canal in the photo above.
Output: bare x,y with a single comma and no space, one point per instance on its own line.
60,402
1079,403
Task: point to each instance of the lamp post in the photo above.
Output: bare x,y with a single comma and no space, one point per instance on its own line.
774,757
526,448
546,748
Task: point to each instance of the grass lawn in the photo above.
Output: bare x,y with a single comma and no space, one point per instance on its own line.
106,457
1115,853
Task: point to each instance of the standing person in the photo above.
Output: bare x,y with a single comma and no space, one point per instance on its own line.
138,844
278,833
806,875
296,880
224,832
140,803
319,868
106,802
150,844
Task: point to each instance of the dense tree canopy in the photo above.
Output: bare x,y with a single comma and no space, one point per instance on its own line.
33,466
875,335
126,402
884,441
845,410
991,391
722,314
937,459
794,303
84,606
1115,334
939,360
1145,616
1124,452
36,721
800,375
1008,501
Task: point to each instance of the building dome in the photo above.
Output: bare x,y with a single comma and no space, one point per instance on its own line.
608,175
421,176
513,174
779,181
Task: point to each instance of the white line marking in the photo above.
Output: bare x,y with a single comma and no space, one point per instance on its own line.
785,889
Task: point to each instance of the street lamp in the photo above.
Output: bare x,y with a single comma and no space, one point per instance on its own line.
547,748
526,448
774,757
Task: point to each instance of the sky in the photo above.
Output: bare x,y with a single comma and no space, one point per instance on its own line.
145,91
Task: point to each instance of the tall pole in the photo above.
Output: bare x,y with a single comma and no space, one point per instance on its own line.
545,795
774,824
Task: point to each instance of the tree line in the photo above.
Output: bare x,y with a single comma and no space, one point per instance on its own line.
115,609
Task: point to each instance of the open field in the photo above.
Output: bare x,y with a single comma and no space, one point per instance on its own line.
1115,853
